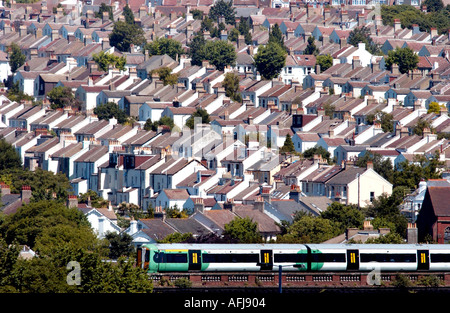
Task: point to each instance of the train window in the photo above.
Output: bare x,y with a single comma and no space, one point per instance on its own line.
440,257
328,257
291,258
388,257
230,258
161,257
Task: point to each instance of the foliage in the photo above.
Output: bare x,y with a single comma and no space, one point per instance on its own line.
197,14
231,85
45,185
162,45
196,49
243,229
244,30
200,113
362,35
309,229
405,58
16,57
15,94
61,97
347,216
325,61
105,59
276,36
389,238
176,238
124,34
434,107
165,74
119,245
319,150
105,8
92,197
164,120
385,119
109,110
382,166
269,60
410,174
220,54
223,9
311,47
128,14
409,15
288,146
9,158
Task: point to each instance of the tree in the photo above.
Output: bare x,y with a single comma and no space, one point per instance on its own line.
16,57
165,74
199,113
196,49
124,34
269,60
164,120
433,5
109,110
223,9
61,96
325,61
319,150
104,8
119,245
309,229
244,30
362,35
242,229
95,200
347,216
382,166
162,45
385,119
9,158
288,146
128,14
276,36
231,85
405,58
105,59
311,47
220,54
434,107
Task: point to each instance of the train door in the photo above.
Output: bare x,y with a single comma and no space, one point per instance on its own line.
195,260
352,260
423,260
266,260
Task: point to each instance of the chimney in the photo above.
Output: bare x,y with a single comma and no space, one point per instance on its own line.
368,225
199,205
397,25
317,68
5,189
265,194
295,193
412,233
72,201
26,193
356,62
241,41
259,204
229,205
369,165
105,43
394,69
22,31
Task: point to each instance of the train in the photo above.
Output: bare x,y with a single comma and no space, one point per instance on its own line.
180,257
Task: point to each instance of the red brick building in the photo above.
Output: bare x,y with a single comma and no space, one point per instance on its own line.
434,217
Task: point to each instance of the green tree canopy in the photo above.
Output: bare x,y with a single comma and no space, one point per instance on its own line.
165,74
319,150
109,110
405,58
231,85
124,34
325,61
311,47
270,60
220,54
61,97
162,45
243,229
105,59
223,9
9,158
276,36
16,57
200,113
288,146
309,229
164,120
362,35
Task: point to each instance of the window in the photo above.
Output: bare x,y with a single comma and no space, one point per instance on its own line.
289,70
372,196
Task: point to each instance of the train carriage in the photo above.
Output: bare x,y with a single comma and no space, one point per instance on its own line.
293,257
